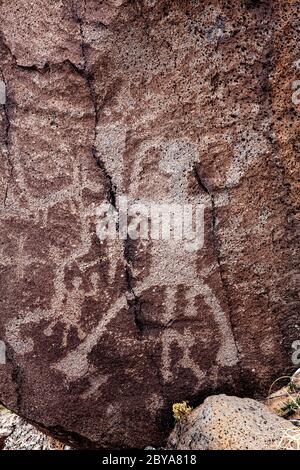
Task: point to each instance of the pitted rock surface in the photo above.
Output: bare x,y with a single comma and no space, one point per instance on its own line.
161,101
232,423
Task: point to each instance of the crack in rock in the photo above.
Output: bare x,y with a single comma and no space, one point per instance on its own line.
134,303
7,137
16,375
90,80
216,246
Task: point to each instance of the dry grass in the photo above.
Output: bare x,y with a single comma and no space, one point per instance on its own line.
286,403
290,440
181,410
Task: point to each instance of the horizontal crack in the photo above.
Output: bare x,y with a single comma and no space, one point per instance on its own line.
35,67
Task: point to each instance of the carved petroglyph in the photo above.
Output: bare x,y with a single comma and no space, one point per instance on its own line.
76,363
176,161
126,161
171,338
177,158
248,147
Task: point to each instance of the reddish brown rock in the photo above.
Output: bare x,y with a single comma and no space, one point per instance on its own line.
165,102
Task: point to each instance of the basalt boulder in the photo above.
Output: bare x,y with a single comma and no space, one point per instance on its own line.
231,423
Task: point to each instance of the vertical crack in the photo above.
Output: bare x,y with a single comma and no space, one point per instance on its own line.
16,375
7,138
134,302
90,82
216,247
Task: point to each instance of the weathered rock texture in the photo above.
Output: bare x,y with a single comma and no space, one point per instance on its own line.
16,434
231,423
163,101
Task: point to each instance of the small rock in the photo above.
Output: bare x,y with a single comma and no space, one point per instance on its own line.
230,423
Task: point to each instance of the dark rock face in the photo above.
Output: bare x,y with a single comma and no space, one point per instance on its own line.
162,101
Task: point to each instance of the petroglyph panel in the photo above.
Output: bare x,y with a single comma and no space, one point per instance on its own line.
161,102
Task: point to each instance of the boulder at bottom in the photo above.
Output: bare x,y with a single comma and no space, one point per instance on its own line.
230,423
17,434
